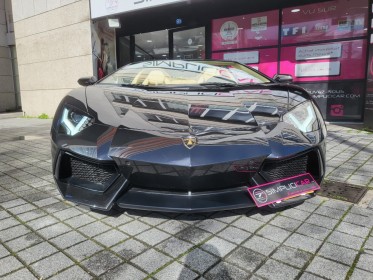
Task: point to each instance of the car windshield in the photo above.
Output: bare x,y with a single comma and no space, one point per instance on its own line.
180,72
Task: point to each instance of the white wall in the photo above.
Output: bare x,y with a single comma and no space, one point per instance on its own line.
53,39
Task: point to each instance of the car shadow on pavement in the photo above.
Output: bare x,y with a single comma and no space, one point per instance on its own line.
201,261
336,136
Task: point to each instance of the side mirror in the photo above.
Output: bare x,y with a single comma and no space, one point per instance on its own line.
87,81
283,78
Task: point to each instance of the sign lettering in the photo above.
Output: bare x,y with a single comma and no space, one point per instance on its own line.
282,189
318,69
141,1
319,52
102,8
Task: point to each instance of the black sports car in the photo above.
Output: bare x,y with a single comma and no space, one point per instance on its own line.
188,136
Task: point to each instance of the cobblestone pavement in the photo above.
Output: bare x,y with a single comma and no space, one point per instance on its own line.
42,236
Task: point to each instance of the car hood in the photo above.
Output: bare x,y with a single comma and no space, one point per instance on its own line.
197,112
246,117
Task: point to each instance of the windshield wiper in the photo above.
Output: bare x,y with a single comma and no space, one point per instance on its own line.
141,86
133,85
162,87
220,85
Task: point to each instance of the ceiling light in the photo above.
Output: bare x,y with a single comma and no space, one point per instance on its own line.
295,10
113,22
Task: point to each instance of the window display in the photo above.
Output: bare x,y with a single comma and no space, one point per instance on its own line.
339,101
152,45
324,21
246,31
320,62
189,44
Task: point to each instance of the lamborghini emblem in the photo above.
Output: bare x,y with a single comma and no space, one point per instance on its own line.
190,141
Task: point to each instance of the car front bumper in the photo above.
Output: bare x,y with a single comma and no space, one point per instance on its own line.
115,189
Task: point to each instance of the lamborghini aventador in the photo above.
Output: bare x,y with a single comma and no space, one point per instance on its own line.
188,136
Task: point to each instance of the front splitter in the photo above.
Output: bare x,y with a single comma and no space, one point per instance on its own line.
136,198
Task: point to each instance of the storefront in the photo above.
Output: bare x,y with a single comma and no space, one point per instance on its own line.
324,45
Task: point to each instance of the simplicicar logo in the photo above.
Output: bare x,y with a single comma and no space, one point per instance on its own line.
276,191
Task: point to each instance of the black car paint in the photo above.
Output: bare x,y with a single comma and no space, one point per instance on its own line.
156,171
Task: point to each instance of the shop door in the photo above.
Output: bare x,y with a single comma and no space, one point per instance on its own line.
188,43
163,44
151,46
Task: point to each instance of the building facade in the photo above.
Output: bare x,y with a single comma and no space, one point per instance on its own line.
53,40
9,89
324,45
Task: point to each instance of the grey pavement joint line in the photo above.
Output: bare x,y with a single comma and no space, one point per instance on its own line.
100,251
242,242
42,237
330,233
281,244
347,159
371,180
20,260
93,240
361,166
47,240
196,246
96,219
155,248
69,256
361,251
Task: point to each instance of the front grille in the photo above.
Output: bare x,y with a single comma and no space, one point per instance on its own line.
95,173
87,174
273,170
183,179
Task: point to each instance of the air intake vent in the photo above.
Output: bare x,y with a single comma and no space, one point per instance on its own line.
278,169
87,174
95,173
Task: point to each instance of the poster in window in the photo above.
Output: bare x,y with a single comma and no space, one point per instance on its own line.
324,21
262,29
338,101
264,60
246,31
320,62
103,49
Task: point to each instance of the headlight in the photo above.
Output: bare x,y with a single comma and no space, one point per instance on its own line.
302,117
73,122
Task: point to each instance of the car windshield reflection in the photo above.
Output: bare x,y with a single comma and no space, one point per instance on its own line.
192,73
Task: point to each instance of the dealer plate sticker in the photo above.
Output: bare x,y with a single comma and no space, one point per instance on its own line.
282,189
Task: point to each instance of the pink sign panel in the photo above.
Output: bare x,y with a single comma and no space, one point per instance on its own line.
283,189
339,100
264,60
246,31
321,62
324,21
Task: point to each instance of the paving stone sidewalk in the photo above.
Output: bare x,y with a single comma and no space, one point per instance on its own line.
349,156
44,237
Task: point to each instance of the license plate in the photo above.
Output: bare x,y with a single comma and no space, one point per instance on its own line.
283,189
